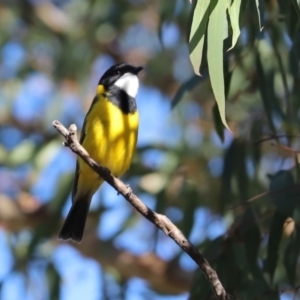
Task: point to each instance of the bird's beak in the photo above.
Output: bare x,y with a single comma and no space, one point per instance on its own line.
138,69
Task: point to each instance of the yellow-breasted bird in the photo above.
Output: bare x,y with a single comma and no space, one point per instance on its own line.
109,134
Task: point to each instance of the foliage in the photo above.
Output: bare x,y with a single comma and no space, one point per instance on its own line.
237,200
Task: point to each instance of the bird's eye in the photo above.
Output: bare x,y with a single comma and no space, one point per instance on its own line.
117,73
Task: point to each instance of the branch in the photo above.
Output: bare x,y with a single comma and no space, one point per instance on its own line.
160,221
163,277
274,137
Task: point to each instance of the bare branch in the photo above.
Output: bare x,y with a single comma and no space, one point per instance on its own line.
285,148
274,137
161,221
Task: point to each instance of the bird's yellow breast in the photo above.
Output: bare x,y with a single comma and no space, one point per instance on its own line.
110,139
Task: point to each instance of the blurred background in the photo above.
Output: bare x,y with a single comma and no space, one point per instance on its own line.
234,195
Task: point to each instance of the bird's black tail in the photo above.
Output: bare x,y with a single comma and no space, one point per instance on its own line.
74,224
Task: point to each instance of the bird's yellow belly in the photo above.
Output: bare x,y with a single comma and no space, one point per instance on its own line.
111,138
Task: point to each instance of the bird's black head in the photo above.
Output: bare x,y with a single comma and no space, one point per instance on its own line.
116,72
121,84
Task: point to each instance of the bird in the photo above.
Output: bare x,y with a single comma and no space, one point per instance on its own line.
109,134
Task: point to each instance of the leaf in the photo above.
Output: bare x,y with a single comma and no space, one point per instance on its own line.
283,192
258,14
197,33
215,34
241,170
256,134
234,16
274,242
266,88
230,261
284,198
227,76
291,255
53,282
296,6
46,154
229,168
251,235
200,288
244,5
292,19
161,203
218,122
21,154
252,238
191,196
216,115
3,154
187,86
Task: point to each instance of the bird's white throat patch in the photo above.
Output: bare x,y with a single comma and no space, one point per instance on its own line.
129,83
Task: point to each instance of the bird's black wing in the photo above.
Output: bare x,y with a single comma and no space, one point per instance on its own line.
82,137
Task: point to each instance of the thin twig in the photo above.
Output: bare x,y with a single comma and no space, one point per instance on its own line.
248,201
285,148
273,137
160,221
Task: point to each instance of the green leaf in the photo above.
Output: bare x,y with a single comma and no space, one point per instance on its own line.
256,134
296,6
231,262
3,154
46,154
251,235
21,154
243,8
218,122
229,169
283,192
291,255
234,167
252,238
215,35
53,282
283,196
187,86
292,19
216,115
234,16
239,160
200,288
161,203
258,14
191,196
264,87
197,33
274,242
